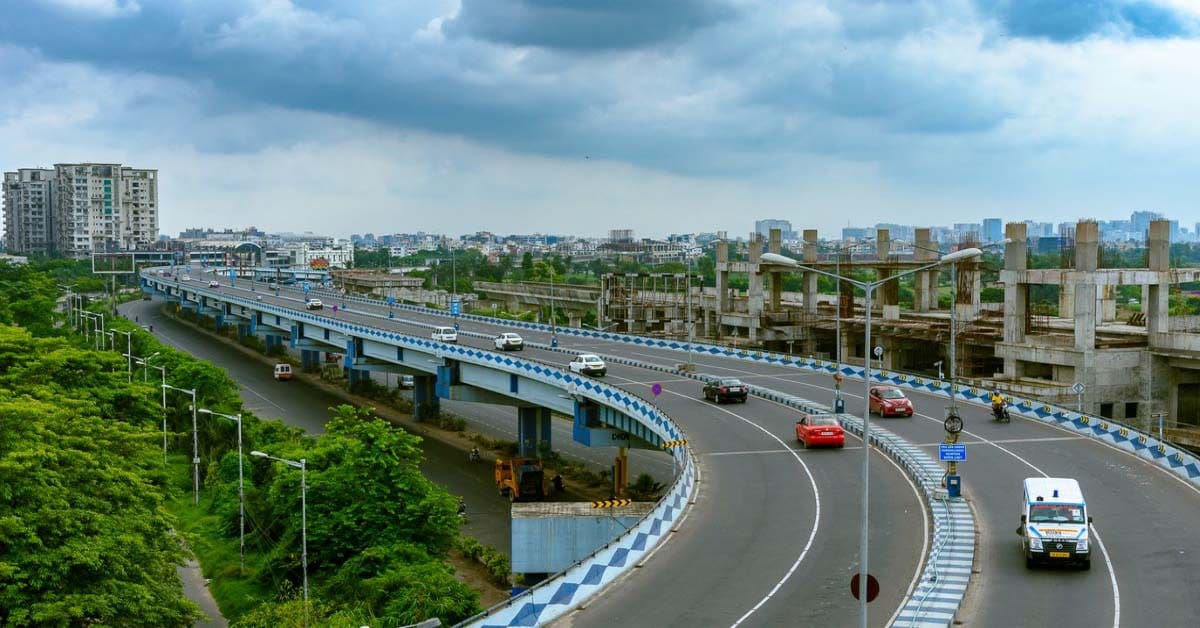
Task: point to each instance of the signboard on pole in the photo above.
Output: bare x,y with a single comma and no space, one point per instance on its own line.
952,453
455,307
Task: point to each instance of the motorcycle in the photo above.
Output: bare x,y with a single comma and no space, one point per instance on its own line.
1000,413
462,511
474,455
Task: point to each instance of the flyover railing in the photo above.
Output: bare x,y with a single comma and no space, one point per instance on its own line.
569,588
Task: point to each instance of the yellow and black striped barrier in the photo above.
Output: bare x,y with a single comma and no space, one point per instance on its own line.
611,503
673,443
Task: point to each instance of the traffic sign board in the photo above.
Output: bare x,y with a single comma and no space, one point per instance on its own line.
952,453
455,307
1078,388
656,389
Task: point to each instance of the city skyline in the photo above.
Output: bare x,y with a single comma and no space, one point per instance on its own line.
656,116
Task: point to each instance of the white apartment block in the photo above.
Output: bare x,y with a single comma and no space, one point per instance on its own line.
28,211
104,206
303,256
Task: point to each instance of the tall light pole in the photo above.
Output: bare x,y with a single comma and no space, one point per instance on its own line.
128,352
553,320
237,418
868,288
302,465
195,443
691,324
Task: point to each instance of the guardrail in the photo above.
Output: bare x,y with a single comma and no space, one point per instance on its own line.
569,588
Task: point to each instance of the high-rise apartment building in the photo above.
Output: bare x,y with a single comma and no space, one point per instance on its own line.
102,207
993,229
28,211
764,227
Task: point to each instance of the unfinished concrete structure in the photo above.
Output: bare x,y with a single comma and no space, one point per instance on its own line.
1128,371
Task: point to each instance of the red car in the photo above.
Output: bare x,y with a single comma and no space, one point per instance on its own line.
820,429
889,401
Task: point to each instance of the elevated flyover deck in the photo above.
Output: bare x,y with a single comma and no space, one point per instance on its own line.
767,538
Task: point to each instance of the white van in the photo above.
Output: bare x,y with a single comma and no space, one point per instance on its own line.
1054,523
445,334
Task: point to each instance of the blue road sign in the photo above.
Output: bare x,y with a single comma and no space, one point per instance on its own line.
455,307
233,274
391,300
307,286
952,453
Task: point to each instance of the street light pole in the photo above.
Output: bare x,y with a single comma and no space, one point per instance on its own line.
195,444
302,464
690,323
128,353
237,418
868,288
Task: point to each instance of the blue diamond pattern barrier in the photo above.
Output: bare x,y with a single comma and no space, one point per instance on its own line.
566,590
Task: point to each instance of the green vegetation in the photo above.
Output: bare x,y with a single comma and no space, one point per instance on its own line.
90,516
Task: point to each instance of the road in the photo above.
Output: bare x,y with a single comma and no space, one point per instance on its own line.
1148,562
772,539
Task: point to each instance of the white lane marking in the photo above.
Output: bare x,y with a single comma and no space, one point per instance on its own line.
925,538
816,501
765,451
1048,439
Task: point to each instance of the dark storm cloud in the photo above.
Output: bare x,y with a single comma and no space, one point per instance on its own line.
585,24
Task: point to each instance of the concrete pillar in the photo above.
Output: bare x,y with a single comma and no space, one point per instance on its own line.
1087,258
574,319
809,280
533,428
355,376
722,278
1016,295
1106,303
884,294
1087,246
1156,301
243,330
220,321
426,404
755,301
310,359
1066,298
922,252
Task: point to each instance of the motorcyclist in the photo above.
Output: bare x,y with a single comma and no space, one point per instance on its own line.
462,507
997,404
474,454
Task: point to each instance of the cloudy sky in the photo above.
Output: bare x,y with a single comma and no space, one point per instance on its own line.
576,116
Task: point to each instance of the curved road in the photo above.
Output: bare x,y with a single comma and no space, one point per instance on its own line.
1148,566
772,539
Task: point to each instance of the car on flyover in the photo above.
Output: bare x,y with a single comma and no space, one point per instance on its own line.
445,334
820,429
889,401
725,389
588,364
313,304
214,284
508,341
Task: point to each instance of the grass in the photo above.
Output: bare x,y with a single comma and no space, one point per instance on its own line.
218,555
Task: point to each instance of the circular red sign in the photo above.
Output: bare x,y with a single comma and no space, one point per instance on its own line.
872,587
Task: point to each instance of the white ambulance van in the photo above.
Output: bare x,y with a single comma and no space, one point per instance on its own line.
1054,523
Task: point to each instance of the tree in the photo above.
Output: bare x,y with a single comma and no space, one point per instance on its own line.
84,538
526,265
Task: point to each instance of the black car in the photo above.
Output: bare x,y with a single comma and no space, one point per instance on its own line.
726,389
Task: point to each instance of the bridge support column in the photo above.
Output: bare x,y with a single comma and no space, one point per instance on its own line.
533,429
425,400
243,330
620,473
272,341
220,321
310,359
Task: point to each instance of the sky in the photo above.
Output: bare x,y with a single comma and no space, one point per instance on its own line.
578,116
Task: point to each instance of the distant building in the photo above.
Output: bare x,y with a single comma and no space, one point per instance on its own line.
104,206
764,227
28,211
993,229
620,236
857,233
1139,222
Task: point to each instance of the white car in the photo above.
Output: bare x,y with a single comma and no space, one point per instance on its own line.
509,341
588,364
214,284
445,334
314,304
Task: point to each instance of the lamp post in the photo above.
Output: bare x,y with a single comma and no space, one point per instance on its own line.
128,352
237,418
195,443
553,320
868,288
302,465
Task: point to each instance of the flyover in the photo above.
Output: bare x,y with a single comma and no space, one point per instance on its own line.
1145,500
765,541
